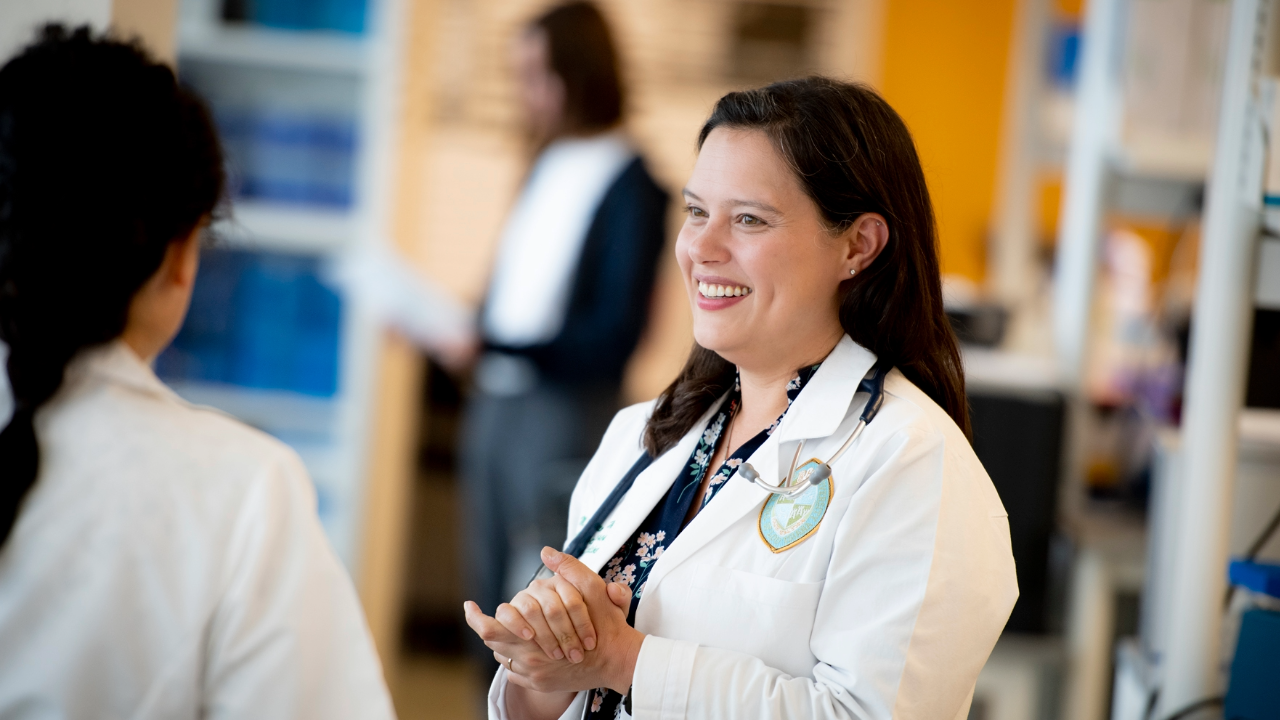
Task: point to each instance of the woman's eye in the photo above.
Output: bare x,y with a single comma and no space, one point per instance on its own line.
751,220
695,211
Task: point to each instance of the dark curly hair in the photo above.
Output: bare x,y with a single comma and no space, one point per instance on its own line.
852,155
104,161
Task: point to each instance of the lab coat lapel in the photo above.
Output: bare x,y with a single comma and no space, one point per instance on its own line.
649,489
738,498
824,402
816,413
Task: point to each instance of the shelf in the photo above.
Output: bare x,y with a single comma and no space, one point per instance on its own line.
1260,430
287,228
1271,219
987,370
1166,156
317,51
1148,154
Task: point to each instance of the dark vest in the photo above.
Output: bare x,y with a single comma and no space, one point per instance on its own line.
612,287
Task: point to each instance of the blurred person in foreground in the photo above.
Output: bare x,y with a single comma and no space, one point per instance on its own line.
567,301
157,559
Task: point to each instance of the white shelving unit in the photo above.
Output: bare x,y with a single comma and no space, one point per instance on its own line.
1103,155
1048,129
287,228
1107,149
204,38
356,76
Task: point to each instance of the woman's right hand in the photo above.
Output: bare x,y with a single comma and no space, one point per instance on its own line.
552,613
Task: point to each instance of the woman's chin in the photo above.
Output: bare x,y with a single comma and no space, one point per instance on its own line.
727,345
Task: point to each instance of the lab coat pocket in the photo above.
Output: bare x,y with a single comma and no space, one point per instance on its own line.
766,617
752,588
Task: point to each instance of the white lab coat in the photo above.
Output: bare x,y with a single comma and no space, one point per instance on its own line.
888,610
169,563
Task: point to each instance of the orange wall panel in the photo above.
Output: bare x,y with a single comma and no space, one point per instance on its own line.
944,71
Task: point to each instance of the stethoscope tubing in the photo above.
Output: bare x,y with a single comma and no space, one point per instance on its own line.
874,386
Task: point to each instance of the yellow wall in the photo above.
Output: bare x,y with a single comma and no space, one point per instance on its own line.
944,72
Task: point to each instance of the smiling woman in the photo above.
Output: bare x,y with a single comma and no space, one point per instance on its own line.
877,591
790,134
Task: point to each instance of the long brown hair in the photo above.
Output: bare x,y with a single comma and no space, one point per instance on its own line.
582,53
852,154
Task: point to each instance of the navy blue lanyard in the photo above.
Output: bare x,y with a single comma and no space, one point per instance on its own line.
873,385
579,543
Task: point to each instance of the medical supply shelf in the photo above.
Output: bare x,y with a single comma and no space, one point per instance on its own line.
1143,154
1178,159
286,228
310,119
318,51
1230,165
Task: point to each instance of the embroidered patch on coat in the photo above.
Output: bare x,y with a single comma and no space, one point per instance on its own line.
786,521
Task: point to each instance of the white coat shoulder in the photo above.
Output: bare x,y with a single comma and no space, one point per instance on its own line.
182,549
909,411
928,523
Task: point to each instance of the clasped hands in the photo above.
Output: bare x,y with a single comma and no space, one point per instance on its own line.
566,633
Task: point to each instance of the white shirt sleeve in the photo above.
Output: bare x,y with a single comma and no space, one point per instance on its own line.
288,638
919,586
498,700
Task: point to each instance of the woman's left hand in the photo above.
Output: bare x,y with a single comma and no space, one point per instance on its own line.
611,664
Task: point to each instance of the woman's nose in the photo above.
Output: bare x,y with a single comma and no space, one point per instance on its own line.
708,244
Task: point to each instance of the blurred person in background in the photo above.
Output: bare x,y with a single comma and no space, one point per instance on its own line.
157,559
567,302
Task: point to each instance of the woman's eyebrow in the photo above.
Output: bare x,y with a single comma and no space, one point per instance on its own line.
749,203
756,204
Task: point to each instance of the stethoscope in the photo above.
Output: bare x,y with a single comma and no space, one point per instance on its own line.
873,385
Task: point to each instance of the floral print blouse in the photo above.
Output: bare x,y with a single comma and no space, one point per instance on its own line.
636,558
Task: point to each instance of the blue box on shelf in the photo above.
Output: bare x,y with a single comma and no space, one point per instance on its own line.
1259,577
1253,692
1063,56
290,158
259,320
342,15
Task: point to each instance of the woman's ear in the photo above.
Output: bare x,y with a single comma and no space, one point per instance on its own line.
866,238
182,259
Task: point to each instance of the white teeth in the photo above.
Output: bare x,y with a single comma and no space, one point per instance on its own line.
711,291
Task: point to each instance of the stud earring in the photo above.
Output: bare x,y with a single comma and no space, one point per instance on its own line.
852,272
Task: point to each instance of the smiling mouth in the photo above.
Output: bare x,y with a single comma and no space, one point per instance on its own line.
710,290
